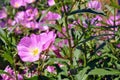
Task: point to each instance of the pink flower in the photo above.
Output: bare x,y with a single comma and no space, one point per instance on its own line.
50,69
93,21
3,14
31,13
51,16
17,3
29,1
118,45
31,24
47,39
56,51
29,48
51,2
12,74
20,16
111,20
94,5
43,27
66,8
27,18
2,24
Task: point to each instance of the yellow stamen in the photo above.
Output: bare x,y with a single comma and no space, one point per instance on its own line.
35,51
16,4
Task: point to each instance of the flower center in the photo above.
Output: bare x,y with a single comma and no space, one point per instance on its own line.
16,4
35,51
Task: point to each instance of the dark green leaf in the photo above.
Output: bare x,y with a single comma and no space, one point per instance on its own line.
86,11
32,78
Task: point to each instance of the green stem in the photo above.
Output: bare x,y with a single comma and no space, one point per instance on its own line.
15,67
39,69
85,61
40,66
68,35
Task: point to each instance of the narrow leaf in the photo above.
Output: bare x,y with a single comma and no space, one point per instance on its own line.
86,11
99,71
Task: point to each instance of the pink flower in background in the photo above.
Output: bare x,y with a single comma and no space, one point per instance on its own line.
94,5
29,1
31,13
47,39
19,16
43,27
97,21
29,48
3,14
28,18
31,24
17,3
111,20
50,69
51,16
56,51
2,24
66,8
118,45
92,21
28,15
51,2
12,74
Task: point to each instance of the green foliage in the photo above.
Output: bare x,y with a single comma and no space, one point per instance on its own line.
88,51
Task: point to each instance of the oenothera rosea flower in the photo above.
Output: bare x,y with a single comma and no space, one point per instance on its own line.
17,3
3,14
118,45
96,21
47,39
2,24
50,69
29,1
50,16
30,48
114,20
12,75
27,18
94,5
51,2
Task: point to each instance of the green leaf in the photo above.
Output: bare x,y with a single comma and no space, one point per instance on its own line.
114,4
3,72
86,11
82,75
32,78
109,55
99,71
52,61
3,36
8,57
117,65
